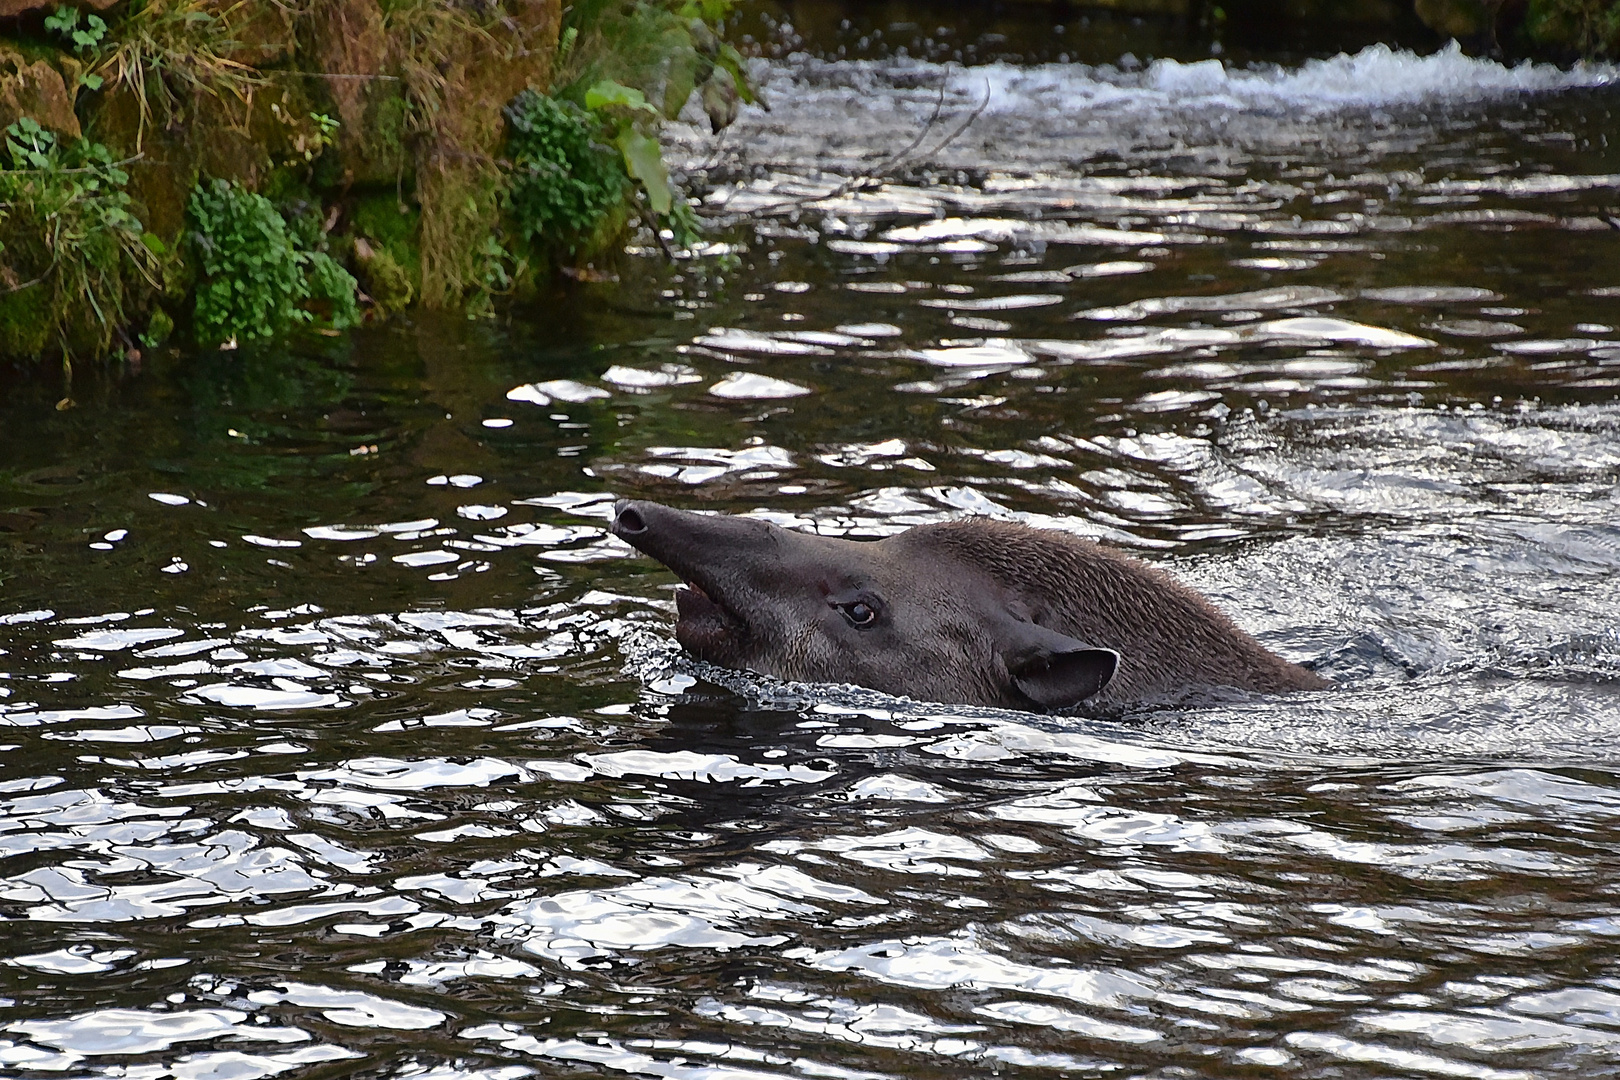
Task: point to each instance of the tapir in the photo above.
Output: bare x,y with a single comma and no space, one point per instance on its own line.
974,611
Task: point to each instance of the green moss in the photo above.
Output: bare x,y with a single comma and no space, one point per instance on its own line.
381,218
388,283
28,319
388,136
464,261
159,328
1590,28
386,252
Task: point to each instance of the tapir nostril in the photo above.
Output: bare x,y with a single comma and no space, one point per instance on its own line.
628,521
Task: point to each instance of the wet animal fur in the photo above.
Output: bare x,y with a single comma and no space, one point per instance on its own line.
1169,638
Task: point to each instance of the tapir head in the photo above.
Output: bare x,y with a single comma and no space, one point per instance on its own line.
902,615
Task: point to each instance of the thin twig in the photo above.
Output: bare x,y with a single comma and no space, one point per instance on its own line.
83,169
859,181
650,219
24,285
972,116
333,75
875,175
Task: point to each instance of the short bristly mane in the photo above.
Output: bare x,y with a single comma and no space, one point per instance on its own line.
1168,636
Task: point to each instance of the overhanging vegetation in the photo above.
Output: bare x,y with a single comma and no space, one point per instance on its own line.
229,169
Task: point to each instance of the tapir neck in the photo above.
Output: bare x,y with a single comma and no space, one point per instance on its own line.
1169,638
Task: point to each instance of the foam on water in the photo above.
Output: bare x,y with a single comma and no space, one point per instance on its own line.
1376,76
829,120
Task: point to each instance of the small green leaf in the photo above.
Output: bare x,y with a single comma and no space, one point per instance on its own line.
94,82
609,94
708,10
733,61
63,21
88,38
153,244
645,161
684,73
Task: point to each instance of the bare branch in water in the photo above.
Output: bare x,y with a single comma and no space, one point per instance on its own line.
874,177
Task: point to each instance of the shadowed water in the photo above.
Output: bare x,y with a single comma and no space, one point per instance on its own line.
338,737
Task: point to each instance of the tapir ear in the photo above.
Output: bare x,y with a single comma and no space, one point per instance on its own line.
1054,670
1068,678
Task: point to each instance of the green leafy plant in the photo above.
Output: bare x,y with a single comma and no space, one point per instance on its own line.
309,135
256,278
64,22
665,49
563,180
334,287
75,252
635,63
627,112
635,124
326,128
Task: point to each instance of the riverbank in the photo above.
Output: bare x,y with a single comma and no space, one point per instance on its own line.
212,172
228,171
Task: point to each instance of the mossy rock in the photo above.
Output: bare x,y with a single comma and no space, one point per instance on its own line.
29,317
349,43
379,216
386,281
1567,28
33,87
229,140
27,321
386,252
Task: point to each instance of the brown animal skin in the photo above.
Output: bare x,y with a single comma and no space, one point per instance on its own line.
973,611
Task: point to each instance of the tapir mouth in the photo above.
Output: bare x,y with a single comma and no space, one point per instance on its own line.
706,625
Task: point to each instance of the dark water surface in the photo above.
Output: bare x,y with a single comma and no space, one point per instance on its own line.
338,738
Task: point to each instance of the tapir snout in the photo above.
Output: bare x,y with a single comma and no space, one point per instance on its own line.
974,611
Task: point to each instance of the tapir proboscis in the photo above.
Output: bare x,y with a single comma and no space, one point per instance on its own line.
974,611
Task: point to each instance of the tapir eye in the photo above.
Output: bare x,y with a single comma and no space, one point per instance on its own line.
859,613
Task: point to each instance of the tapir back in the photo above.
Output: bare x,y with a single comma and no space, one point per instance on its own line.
1170,639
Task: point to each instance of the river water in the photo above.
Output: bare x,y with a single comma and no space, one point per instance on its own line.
338,738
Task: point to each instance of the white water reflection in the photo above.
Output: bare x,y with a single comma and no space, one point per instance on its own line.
751,386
